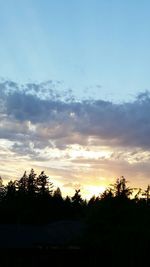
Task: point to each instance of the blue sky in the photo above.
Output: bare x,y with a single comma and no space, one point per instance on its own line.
101,46
99,49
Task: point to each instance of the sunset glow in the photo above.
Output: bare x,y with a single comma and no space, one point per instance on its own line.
74,92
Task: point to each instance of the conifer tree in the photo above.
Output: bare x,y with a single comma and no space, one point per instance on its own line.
23,184
77,199
147,193
31,184
44,185
57,193
11,189
2,189
120,188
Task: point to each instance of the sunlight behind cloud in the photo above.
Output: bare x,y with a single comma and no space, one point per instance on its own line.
93,190
76,151
85,143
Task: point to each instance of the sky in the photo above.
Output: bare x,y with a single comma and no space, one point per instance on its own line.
74,91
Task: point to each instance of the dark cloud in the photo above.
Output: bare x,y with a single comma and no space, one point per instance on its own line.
24,149
38,113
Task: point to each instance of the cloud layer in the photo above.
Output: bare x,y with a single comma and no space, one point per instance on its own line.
36,121
42,117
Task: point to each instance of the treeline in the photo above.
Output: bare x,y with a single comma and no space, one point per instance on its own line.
33,199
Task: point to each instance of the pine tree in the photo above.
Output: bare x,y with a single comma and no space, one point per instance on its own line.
147,193
44,185
11,189
2,189
57,193
23,184
107,194
31,184
77,199
120,189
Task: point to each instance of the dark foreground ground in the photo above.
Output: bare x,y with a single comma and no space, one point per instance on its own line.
59,244
54,235
70,257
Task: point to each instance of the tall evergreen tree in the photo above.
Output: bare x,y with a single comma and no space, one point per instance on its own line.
31,184
120,188
11,189
77,199
146,193
2,189
23,184
44,185
57,193
107,194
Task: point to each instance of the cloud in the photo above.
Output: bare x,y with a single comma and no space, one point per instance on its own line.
26,115
78,143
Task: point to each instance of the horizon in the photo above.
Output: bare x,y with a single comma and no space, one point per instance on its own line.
98,192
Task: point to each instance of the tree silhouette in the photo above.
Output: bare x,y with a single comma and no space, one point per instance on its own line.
2,189
112,222
31,184
44,185
11,189
147,193
92,201
77,199
137,195
120,188
107,194
22,184
57,193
